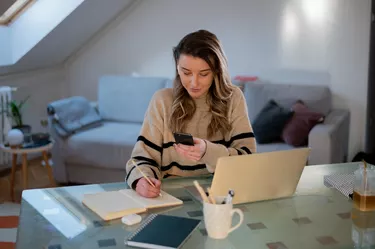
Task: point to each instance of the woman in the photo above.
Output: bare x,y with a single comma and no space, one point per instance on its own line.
204,103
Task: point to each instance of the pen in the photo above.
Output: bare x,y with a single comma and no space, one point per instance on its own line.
148,179
229,197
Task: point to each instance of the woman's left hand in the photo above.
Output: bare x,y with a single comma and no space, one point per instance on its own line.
195,152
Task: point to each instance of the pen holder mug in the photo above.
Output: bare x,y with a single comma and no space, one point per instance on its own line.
218,218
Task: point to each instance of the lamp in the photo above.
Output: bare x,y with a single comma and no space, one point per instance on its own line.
15,137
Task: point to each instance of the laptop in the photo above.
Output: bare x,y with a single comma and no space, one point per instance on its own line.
257,177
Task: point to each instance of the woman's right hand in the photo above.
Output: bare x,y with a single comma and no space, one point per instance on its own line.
144,188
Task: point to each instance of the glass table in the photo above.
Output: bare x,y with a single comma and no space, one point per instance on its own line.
315,217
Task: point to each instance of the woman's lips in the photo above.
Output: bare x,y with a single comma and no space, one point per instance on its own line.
195,90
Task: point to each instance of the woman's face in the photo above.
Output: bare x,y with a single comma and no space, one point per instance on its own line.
195,74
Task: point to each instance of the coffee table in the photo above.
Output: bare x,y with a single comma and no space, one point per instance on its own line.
315,217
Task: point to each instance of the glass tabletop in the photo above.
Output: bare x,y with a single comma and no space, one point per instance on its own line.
315,217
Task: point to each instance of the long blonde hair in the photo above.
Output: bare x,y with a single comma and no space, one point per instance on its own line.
205,45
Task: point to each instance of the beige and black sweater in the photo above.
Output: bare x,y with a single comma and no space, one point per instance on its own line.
154,151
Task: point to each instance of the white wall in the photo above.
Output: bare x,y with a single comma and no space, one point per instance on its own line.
43,86
322,40
5,48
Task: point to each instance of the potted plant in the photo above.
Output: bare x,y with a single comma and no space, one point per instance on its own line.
15,113
41,137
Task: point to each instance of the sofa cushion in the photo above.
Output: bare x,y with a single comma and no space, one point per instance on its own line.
257,94
126,98
107,146
273,147
269,123
297,129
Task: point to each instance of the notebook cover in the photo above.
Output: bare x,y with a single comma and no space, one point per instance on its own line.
342,182
157,231
116,204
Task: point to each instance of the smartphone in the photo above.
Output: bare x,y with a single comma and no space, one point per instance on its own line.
183,138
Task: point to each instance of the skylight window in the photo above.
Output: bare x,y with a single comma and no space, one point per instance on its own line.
10,9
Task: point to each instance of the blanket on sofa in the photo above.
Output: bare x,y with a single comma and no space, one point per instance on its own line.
72,114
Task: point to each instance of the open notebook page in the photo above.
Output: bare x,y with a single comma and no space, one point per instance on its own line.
112,204
165,200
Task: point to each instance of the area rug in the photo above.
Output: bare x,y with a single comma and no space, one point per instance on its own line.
9,213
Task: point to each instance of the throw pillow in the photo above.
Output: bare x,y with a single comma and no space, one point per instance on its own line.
246,78
297,129
269,123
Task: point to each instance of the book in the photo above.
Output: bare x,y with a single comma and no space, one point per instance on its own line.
111,205
161,231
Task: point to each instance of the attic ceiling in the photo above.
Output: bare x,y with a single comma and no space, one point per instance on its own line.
69,36
5,4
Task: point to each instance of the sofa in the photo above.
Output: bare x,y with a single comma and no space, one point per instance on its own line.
329,140
99,154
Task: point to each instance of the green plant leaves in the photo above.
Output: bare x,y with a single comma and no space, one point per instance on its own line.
16,111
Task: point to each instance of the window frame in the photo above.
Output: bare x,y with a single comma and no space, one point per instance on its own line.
14,11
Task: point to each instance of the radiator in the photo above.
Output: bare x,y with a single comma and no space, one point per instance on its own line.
5,123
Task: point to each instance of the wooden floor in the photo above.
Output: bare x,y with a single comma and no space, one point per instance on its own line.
38,178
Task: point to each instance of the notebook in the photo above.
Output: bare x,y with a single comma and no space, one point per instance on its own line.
116,204
342,182
161,231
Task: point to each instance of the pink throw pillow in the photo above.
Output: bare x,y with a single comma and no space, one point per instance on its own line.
246,78
297,129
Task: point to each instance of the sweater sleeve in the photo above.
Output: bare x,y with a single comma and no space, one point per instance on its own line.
148,149
242,140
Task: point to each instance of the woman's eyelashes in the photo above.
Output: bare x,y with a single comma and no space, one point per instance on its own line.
201,74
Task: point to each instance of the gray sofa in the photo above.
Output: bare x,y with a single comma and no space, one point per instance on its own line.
99,154
329,141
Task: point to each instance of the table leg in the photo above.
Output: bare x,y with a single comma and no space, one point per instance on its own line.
49,169
24,170
13,175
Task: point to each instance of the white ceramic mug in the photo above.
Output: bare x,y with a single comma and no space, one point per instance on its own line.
218,218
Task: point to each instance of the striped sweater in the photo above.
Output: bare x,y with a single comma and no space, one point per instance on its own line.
154,151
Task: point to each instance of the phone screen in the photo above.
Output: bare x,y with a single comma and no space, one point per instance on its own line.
183,138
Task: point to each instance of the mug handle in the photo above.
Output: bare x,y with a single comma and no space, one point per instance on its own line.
240,213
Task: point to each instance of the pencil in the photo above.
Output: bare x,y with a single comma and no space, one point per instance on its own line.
201,191
148,179
211,196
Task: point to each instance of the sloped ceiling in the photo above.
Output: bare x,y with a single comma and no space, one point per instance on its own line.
70,35
5,4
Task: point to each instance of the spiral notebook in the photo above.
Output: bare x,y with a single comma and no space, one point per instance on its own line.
161,231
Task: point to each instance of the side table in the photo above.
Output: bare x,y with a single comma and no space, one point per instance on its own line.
24,151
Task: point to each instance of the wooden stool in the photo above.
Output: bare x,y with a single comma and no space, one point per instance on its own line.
15,150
